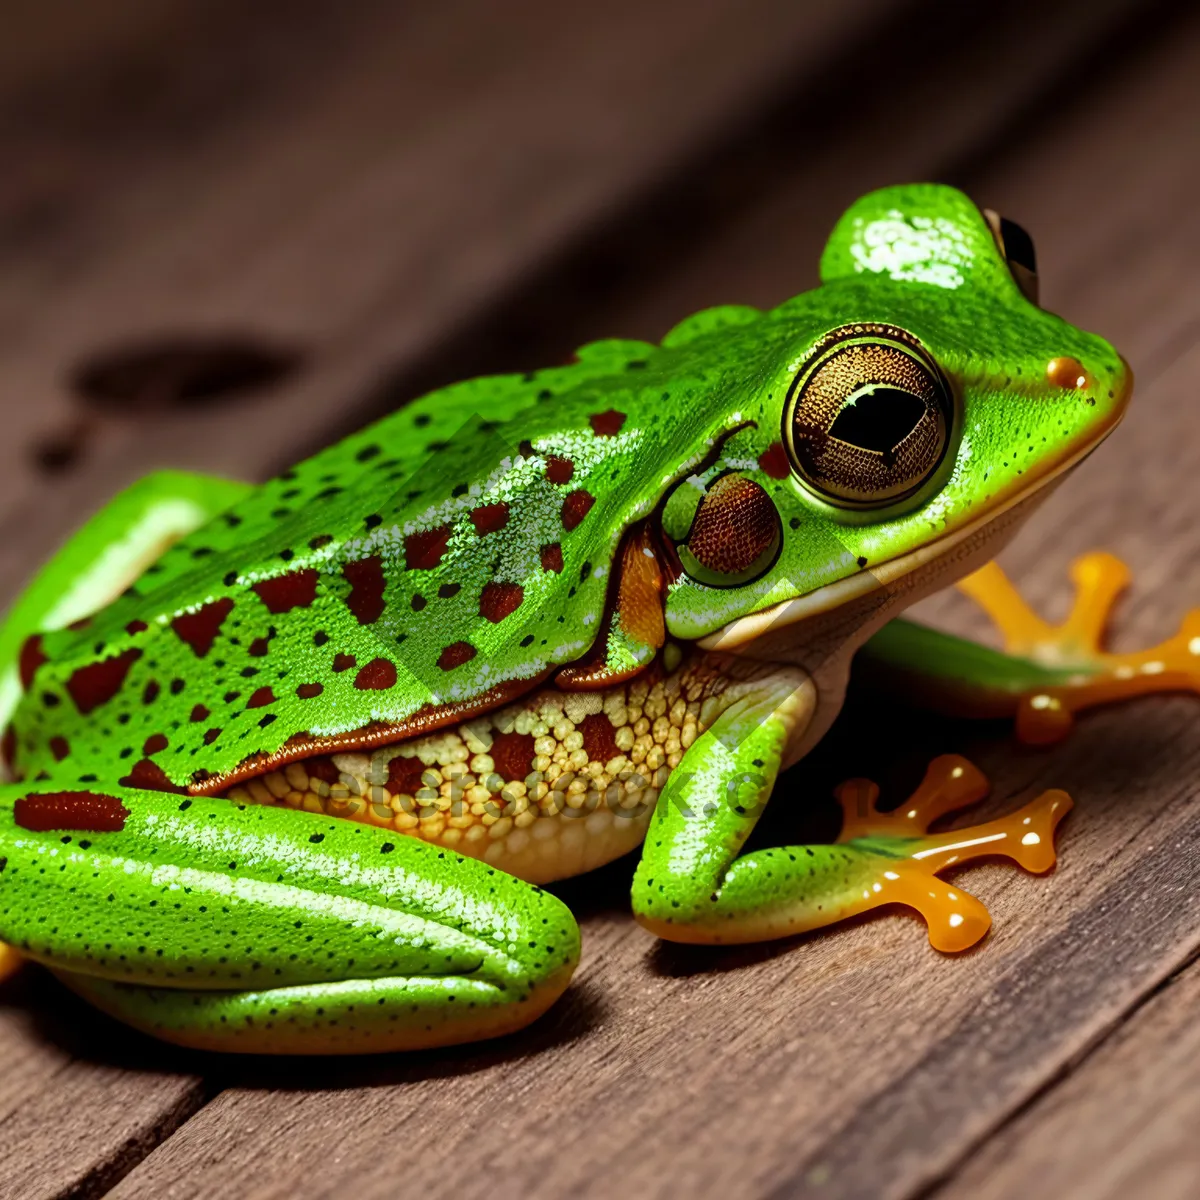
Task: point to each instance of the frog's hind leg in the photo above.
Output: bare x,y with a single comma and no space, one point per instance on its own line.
350,1016
1046,673
261,930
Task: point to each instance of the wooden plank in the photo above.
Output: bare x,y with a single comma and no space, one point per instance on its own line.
855,1063
353,180
1121,1124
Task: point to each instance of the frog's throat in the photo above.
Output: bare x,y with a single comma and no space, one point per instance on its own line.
739,633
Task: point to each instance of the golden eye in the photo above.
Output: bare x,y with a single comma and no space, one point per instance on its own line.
868,418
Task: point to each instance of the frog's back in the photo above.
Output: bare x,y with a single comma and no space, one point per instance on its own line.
441,561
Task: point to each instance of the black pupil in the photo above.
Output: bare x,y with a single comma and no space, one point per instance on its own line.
878,419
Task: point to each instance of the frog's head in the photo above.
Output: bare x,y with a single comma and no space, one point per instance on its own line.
907,404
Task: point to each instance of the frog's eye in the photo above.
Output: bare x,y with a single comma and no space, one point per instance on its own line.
1017,247
868,418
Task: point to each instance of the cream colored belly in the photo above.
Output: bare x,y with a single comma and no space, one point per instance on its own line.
545,788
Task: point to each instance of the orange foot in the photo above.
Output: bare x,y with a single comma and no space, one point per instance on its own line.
905,859
1046,714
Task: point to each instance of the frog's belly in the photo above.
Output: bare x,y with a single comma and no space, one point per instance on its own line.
549,787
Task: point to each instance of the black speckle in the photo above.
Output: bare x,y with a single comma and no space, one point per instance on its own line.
373,520
316,837
386,848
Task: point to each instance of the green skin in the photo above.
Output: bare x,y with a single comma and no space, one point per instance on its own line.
274,930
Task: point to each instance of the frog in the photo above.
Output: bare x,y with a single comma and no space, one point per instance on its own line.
293,764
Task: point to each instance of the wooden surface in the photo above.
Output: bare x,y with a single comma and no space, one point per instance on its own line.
396,196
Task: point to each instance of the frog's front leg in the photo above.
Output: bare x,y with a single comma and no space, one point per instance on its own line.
691,886
1046,673
271,931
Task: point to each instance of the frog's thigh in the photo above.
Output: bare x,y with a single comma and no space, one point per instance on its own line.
691,886
272,931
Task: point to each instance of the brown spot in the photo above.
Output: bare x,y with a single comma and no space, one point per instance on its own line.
60,748
552,558
404,775
488,518
366,589
264,695
296,589
259,647
199,629
151,776
559,470
211,736
378,675
32,656
154,743
499,600
773,461
608,423
309,691
96,683
88,812
136,626
423,551
455,655
599,737
736,525
343,662
322,768
199,713
575,507
512,754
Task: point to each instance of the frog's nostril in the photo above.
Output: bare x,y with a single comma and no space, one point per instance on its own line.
1068,373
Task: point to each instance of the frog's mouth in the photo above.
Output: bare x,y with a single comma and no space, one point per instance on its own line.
739,633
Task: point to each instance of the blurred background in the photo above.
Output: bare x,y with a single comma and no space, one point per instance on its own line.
230,233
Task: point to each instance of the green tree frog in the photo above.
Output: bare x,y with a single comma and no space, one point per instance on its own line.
294,760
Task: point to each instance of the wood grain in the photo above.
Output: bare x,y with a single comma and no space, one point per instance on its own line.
410,194
1121,1124
856,1063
